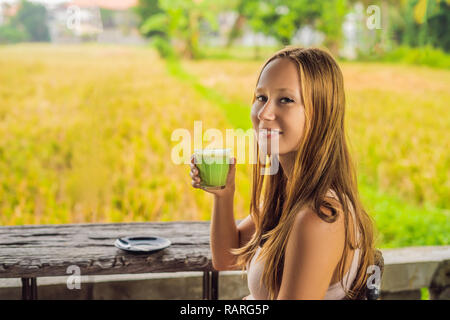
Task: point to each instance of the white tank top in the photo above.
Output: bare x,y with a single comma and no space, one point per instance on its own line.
334,292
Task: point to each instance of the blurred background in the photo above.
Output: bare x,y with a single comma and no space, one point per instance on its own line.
91,91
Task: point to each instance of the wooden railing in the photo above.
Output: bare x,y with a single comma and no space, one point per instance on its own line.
28,252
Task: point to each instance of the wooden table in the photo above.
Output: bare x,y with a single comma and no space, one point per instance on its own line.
33,251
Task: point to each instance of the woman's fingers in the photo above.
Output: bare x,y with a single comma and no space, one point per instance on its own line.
193,168
195,184
194,171
231,172
194,174
195,179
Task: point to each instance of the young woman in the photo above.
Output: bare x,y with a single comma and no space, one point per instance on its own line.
307,235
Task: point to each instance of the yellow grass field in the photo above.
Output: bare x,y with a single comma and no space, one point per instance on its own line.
86,137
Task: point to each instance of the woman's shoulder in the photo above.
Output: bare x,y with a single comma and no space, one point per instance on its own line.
312,225
332,195
311,239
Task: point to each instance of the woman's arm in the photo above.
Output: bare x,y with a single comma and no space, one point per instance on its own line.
312,253
245,231
224,233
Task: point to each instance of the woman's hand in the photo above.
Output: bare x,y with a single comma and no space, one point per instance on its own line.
245,298
229,186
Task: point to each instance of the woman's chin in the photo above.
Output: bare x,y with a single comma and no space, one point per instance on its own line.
275,149
269,152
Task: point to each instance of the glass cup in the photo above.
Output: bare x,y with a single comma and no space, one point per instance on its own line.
213,166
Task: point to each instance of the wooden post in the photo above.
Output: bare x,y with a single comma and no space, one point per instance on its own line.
206,285
215,285
29,289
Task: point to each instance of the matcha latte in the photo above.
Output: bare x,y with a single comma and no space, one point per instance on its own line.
213,166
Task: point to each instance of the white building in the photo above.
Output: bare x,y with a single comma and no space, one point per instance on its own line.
81,20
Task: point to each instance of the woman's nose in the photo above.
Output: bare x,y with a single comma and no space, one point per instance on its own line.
267,112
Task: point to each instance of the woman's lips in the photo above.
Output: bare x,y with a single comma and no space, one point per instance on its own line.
270,133
273,134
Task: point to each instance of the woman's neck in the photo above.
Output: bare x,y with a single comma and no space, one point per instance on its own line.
287,161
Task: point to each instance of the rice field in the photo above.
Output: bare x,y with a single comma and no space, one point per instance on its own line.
86,137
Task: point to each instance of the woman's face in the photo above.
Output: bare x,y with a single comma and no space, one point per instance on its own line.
278,106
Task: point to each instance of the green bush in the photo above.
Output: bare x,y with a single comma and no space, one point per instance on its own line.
33,18
427,56
10,34
163,47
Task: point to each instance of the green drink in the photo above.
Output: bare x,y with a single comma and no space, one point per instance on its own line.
213,166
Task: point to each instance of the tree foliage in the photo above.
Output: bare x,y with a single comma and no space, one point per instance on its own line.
32,18
177,22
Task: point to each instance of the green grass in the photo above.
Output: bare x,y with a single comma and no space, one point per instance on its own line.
233,110
402,224
425,56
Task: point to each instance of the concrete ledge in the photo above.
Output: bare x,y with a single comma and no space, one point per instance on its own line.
413,268
151,286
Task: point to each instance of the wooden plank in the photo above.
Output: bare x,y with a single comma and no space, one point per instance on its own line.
48,250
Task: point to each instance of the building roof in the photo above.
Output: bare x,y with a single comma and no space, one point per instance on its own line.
9,10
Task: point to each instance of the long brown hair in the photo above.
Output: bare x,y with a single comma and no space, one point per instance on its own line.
322,162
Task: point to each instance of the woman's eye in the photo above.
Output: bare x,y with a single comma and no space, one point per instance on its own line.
282,100
286,100
260,98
